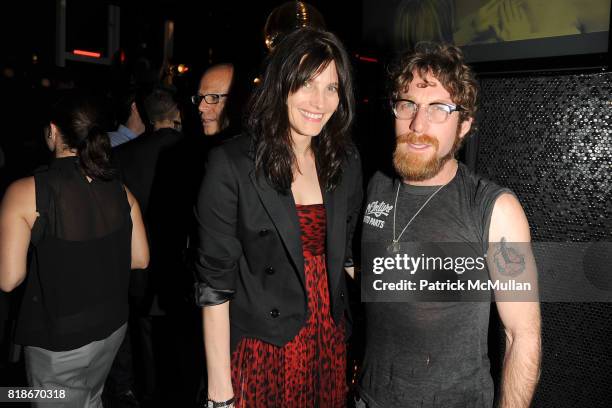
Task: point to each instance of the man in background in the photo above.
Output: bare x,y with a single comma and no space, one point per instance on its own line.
139,163
212,98
131,123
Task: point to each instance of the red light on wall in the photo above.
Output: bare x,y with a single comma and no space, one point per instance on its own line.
87,53
366,59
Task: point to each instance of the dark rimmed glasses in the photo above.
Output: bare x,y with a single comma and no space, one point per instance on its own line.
438,112
211,98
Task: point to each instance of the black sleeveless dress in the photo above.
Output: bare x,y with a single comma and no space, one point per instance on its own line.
76,289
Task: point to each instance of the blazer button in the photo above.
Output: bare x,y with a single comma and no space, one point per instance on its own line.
263,232
341,294
270,270
274,313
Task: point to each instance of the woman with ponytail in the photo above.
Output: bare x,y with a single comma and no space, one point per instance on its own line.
72,232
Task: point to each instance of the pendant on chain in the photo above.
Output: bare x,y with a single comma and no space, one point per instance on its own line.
394,247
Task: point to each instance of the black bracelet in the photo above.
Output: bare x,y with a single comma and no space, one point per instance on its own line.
223,404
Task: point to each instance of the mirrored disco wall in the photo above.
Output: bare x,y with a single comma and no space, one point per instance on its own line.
549,139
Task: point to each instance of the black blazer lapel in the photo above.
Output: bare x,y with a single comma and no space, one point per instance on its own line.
282,211
335,211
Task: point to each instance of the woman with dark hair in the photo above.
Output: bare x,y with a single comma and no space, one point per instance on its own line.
81,231
276,212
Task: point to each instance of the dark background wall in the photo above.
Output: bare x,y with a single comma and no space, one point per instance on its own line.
548,137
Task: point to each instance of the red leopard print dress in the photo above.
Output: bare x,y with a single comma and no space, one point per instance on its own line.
310,370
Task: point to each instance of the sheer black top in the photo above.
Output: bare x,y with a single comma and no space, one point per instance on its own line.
80,255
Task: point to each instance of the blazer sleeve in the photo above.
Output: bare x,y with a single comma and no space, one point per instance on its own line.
219,248
354,205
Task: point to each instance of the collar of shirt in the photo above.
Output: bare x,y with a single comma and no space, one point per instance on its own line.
121,135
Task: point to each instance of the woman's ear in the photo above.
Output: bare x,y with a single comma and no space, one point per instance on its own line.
51,136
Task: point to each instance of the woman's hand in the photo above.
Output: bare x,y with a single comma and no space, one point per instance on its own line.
220,389
513,22
498,20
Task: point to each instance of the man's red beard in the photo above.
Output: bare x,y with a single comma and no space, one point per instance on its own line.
417,166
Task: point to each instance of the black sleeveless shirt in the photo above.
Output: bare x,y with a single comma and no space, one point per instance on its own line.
76,289
428,354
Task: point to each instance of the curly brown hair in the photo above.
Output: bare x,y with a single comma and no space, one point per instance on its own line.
446,63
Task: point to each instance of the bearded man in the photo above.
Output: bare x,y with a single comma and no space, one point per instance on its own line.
434,354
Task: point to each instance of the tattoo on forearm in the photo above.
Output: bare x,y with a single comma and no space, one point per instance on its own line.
508,261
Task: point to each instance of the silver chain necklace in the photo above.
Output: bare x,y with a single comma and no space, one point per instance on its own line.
395,245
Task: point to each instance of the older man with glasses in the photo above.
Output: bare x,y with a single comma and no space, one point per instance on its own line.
212,98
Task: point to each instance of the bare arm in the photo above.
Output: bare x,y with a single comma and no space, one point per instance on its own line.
217,347
509,234
17,215
521,369
140,245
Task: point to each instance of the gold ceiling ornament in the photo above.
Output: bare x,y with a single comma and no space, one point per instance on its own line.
288,17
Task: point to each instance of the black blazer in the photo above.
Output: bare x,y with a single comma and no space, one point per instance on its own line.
250,250
137,161
145,170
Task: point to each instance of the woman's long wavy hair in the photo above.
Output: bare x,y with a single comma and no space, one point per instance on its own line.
301,56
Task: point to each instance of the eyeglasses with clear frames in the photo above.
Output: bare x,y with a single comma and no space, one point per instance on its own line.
211,98
406,109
